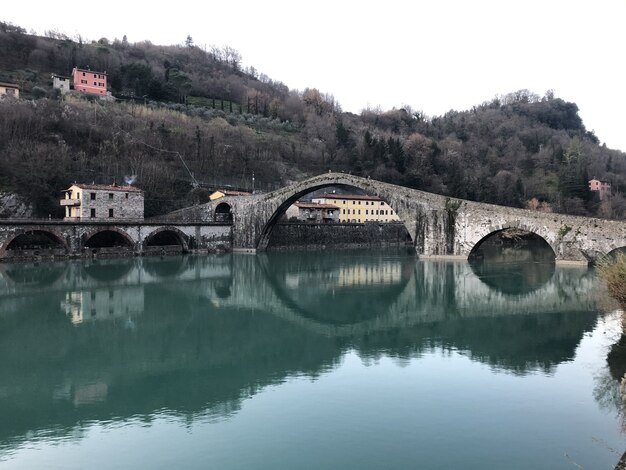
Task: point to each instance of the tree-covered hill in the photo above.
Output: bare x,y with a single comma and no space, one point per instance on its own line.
188,120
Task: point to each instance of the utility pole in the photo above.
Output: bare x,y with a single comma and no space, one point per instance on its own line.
253,182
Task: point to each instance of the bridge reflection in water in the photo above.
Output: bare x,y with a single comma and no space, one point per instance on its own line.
108,340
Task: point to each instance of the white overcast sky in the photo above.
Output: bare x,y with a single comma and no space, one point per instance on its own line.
433,55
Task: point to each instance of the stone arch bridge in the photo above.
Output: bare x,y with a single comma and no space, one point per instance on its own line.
64,239
438,225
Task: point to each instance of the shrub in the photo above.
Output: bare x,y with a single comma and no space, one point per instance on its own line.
613,271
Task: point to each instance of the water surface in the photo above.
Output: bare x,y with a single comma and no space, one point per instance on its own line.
315,360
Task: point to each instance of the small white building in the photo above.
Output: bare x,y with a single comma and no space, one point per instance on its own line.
100,201
62,83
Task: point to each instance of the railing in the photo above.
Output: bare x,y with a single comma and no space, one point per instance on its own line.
70,202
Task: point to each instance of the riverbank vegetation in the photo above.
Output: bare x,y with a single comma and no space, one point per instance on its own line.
189,119
612,270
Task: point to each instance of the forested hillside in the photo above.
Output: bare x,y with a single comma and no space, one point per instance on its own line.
189,119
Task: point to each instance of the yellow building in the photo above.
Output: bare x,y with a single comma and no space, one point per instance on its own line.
9,89
359,208
226,192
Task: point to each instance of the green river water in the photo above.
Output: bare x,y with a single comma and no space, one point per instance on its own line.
307,361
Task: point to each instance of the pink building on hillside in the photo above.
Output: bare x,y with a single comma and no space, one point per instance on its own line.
88,81
603,187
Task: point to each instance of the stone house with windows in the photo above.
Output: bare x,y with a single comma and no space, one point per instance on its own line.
88,81
313,212
9,89
59,82
359,208
99,201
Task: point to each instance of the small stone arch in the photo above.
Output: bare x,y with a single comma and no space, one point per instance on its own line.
313,185
53,236
163,236
223,213
108,237
493,230
615,251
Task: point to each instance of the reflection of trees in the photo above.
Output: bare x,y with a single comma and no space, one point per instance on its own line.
180,355
192,353
518,344
616,358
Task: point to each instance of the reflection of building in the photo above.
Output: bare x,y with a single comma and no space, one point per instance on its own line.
103,304
602,187
313,212
369,274
88,81
353,275
98,201
9,89
359,208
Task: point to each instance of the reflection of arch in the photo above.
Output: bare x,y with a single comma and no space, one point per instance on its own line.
34,239
40,275
163,268
331,307
167,236
513,278
107,238
282,208
541,238
108,271
223,213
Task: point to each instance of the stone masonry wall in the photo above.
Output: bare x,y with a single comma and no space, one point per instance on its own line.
303,235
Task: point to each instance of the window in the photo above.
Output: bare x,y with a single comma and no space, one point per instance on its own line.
93,196
344,202
84,82
367,212
95,83
110,196
110,212
344,211
10,91
93,212
353,202
126,195
77,195
83,74
359,211
381,203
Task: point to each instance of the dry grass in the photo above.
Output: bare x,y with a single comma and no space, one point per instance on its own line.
612,271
